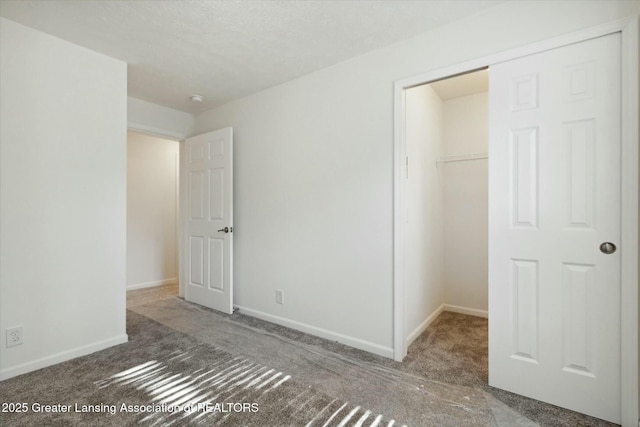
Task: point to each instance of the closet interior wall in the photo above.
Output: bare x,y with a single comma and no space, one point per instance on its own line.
447,201
466,192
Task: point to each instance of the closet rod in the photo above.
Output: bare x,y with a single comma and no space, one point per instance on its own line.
462,157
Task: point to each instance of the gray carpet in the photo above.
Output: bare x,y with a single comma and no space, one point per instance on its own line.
237,370
163,377
454,349
337,370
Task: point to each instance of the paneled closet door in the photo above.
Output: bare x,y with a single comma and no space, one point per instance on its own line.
554,227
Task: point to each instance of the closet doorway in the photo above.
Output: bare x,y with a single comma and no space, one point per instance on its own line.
554,332
446,258
558,89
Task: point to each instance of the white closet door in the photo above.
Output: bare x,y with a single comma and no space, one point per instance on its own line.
554,184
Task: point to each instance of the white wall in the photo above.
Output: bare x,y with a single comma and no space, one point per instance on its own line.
424,261
314,171
152,166
62,199
466,131
159,120
306,213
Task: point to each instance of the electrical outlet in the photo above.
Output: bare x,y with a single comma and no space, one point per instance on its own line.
14,336
279,296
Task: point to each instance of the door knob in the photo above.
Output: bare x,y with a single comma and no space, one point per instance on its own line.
226,229
607,248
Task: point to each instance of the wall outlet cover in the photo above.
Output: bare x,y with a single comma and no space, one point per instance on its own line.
14,336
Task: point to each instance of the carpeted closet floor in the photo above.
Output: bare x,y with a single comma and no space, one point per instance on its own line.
187,365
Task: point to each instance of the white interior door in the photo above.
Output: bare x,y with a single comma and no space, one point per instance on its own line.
554,180
207,207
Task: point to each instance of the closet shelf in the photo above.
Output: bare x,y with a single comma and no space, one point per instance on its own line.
462,157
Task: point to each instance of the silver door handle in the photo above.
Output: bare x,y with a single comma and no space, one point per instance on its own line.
226,229
607,248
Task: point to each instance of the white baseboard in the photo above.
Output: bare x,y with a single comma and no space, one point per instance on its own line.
61,357
424,325
323,333
465,310
152,284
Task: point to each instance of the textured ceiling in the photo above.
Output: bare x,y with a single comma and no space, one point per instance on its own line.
228,49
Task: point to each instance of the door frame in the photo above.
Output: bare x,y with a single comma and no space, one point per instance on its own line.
629,30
